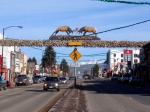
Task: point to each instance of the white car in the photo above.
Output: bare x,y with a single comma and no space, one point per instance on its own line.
30,81
63,80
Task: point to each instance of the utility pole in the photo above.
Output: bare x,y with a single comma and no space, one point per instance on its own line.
74,76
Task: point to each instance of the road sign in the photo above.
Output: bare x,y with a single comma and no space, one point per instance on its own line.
75,55
74,43
75,64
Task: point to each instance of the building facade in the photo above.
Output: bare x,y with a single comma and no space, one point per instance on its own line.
23,63
123,59
143,68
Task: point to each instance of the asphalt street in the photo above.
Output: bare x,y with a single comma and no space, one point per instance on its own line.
104,95
27,98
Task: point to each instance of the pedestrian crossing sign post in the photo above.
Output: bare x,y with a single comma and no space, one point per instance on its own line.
75,55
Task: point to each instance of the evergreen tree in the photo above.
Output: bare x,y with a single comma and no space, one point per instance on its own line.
29,60
64,66
95,70
49,57
34,60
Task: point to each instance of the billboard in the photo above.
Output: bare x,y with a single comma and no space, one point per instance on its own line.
127,55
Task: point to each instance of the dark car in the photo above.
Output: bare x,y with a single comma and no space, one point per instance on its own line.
125,78
71,78
22,80
134,80
37,79
51,83
87,76
114,77
3,83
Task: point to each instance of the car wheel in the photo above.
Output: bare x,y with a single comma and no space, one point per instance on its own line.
4,87
1,88
16,84
45,89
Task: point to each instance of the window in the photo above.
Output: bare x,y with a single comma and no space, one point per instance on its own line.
135,55
114,55
121,55
114,60
121,60
17,55
135,61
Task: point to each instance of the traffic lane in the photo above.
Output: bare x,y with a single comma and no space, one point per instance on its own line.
113,87
16,90
31,99
102,96
136,92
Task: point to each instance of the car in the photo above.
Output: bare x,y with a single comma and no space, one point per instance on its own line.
71,78
43,78
51,83
30,80
134,80
63,80
3,84
22,80
37,79
114,77
125,78
87,76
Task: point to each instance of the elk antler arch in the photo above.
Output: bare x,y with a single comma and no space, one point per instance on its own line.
85,43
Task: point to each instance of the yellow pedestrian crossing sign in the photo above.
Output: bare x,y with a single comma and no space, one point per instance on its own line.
75,55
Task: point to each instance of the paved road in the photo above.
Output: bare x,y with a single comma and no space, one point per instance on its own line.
103,95
26,98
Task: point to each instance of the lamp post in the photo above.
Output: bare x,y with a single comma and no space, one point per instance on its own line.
2,44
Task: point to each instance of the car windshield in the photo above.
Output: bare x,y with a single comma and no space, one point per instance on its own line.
51,79
126,75
62,78
72,77
115,75
37,76
135,78
22,76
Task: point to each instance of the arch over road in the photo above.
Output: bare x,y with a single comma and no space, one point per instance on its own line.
85,43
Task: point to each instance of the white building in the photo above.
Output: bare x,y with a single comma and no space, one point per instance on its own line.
11,60
123,59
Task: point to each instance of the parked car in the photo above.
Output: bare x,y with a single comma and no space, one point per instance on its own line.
71,78
134,80
63,80
114,77
37,79
3,84
30,80
43,78
87,76
125,78
119,78
22,80
51,83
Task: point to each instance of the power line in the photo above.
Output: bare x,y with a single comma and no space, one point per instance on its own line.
123,27
125,2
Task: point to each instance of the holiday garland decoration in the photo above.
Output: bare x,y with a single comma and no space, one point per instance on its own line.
60,43
126,2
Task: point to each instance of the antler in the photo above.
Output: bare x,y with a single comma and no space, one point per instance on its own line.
76,29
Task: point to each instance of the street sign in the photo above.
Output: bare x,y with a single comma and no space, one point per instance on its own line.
75,64
75,55
74,43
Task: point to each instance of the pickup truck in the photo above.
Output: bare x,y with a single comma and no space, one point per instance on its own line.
3,84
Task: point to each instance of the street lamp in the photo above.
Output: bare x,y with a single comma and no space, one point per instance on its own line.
2,44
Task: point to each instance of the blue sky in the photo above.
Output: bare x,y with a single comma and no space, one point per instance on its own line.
40,18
